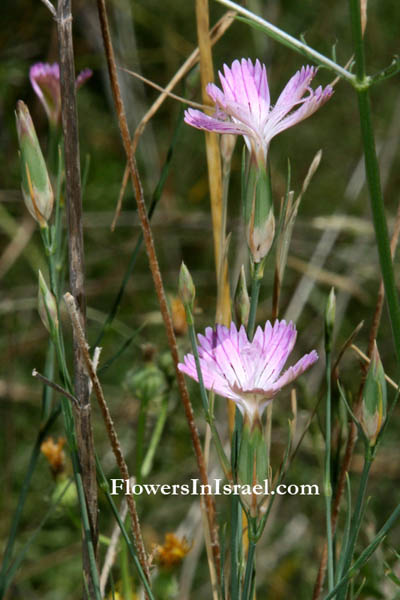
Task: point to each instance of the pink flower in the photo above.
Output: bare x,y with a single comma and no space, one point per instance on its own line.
45,80
249,373
244,108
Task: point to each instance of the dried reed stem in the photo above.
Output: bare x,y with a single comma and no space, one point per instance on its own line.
69,116
112,434
351,440
156,274
214,164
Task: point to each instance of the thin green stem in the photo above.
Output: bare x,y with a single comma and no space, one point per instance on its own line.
373,177
70,431
356,520
327,481
367,553
155,438
192,337
249,575
140,435
22,499
236,512
255,292
287,40
103,484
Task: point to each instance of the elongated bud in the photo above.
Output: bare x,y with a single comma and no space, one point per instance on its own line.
259,212
374,405
36,186
330,311
47,306
242,300
187,291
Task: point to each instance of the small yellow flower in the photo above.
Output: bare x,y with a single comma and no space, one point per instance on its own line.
54,453
172,552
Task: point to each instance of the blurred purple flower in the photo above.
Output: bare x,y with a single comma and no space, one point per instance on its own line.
45,80
244,108
249,373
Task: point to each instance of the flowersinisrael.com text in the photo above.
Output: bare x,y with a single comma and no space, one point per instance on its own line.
195,488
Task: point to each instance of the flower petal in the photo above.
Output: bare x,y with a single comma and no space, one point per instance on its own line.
293,372
200,120
309,107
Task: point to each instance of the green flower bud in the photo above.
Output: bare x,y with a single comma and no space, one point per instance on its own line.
36,186
146,383
259,213
47,306
374,405
242,300
187,291
330,312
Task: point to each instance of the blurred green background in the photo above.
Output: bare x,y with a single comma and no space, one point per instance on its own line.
333,232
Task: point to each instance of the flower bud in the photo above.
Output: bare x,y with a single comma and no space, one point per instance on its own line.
187,291
330,311
259,213
242,300
146,383
47,306
374,404
36,186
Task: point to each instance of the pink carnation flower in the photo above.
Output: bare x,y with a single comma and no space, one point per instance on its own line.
243,106
249,373
45,80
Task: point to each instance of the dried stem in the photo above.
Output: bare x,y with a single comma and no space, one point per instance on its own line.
112,434
215,33
352,438
214,166
76,262
55,386
156,274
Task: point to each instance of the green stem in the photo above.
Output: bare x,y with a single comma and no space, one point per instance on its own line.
373,176
192,337
367,553
155,438
249,575
327,482
103,484
356,520
236,512
22,499
255,292
70,432
287,40
140,435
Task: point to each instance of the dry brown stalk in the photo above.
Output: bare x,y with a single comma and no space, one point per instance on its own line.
112,434
215,34
214,163
54,386
82,414
156,274
351,441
